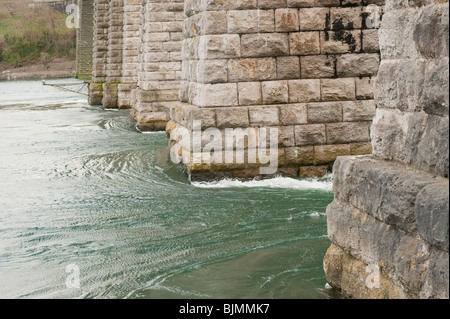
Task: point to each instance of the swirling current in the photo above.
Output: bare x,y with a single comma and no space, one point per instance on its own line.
81,187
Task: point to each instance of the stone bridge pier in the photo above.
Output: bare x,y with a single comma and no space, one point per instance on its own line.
389,221
302,67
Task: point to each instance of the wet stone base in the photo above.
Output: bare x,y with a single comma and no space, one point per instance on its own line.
254,173
388,225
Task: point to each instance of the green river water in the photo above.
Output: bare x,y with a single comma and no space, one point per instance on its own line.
79,185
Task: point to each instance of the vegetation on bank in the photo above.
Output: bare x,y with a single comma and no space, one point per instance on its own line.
32,34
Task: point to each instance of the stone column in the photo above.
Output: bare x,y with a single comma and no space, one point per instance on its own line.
100,51
130,53
302,67
159,71
85,39
114,56
389,222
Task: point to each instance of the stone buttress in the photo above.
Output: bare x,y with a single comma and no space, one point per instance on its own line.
389,221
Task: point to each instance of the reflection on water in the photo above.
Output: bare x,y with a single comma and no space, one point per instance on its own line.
80,185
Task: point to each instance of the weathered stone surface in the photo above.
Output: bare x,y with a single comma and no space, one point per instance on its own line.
313,171
356,111
232,117
401,260
219,46
95,93
243,63
357,65
265,45
431,214
436,285
301,91
312,19
412,138
332,264
250,21
345,18
391,209
288,67
246,70
318,66
370,41
221,94
362,148
286,20
293,114
364,88
381,189
345,132
274,92
263,116
311,134
344,41
327,154
304,43
338,89
212,71
326,112
343,225
250,93
299,155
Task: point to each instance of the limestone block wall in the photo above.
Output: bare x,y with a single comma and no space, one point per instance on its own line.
85,39
303,67
389,221
159,68
130,51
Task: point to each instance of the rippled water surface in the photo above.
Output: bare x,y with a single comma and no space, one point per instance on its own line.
80,186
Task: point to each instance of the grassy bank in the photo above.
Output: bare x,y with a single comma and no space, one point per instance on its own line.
33,35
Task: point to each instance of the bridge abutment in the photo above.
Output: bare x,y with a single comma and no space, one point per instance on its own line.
389,221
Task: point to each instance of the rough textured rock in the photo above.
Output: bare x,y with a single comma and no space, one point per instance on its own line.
391,209
85,39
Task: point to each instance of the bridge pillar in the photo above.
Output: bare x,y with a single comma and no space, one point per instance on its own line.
85,39
303,68
159,69
100,51
130,51
114,55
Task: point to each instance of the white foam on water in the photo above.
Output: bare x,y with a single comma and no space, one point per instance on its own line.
324,183
152,133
